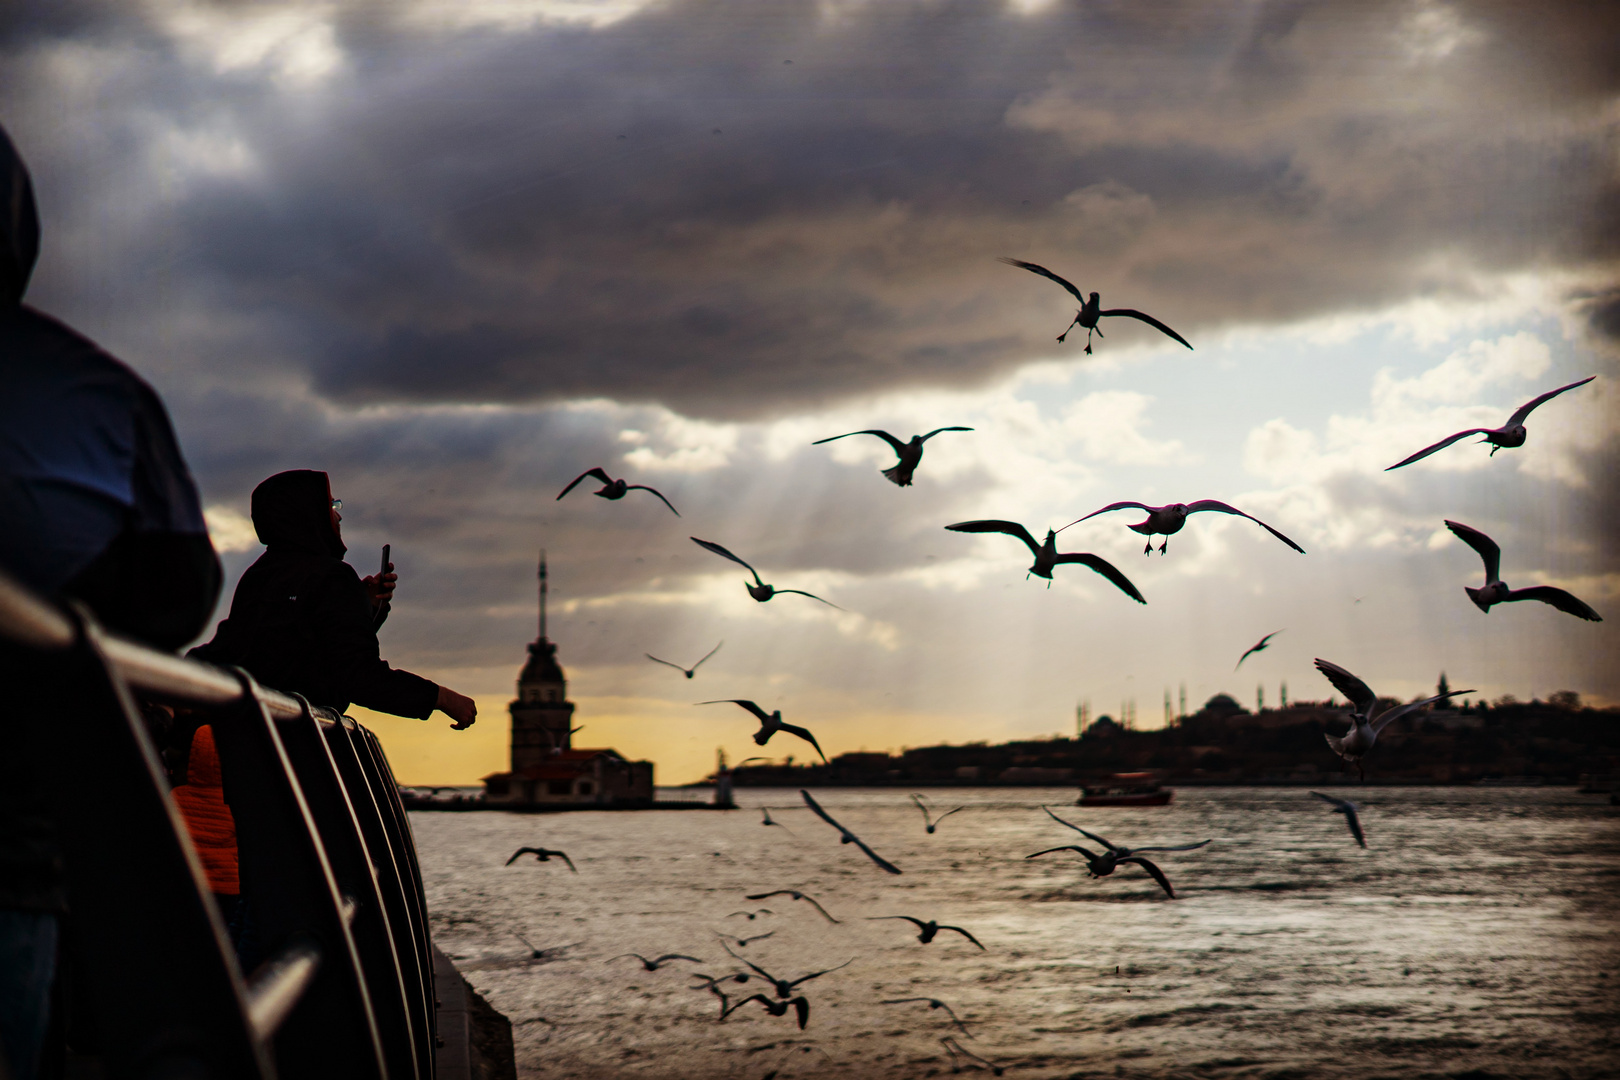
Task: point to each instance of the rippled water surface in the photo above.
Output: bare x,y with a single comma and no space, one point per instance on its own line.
1474,938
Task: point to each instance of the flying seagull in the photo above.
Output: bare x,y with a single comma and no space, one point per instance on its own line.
1169,519
910,453
847,837
933,1003
931,825
1046,554
1356,743
795,895
1348,809
769,725
653,965
688,672
784,987
775,1008
928,929
1497,592
768,820
1091,309
1510,434
742,942
543,855
1260,646
616,489
752,915
1104,864
759,590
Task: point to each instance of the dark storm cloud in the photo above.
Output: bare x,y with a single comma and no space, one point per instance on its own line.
666,209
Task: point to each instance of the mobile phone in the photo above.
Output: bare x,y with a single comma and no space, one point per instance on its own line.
384,569
382,609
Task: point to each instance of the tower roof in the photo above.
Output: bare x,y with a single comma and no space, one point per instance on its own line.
542,666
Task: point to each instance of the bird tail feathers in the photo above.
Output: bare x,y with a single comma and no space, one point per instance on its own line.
1478,597
899,474
1335,742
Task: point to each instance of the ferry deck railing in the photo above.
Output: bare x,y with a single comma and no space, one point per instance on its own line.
328,868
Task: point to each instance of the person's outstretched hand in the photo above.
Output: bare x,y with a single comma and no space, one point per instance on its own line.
457,707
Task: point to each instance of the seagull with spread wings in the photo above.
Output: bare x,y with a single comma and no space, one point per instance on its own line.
930,824
1509,435
742,942
1348,809
1101,865
1358,742
769,725
615,489
1046,554
542,855
1091,308
775,1008
1260,646
784,987
688,672
909,453
1164,520
758,590
933,1003
928,930
796,895
654,965
1497,592
847,837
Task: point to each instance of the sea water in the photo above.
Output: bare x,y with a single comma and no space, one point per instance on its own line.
1474,937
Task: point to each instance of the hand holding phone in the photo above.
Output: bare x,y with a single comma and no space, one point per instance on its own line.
382,589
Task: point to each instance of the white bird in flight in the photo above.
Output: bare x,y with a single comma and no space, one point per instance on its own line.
910,453
616,489
1358,742
1091,308
769,725
1046,554
1510,434
1496,590
1164,520
688,672
759,590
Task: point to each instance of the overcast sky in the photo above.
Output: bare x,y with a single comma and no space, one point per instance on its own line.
454,253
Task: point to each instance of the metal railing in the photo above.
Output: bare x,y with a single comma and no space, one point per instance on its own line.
328,868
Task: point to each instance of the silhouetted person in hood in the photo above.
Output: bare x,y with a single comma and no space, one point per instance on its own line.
303,621
97,505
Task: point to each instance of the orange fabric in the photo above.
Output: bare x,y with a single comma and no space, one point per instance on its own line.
202,803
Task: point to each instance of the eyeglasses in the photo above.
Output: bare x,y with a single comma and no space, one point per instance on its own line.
337,504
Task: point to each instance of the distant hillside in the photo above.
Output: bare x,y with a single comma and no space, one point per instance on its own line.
1555,741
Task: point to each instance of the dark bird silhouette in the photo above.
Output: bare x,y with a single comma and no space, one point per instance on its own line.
653,965
534,953
955,1049
1510,434
758,590
688,672
1164,520
742,942
1101,865
1358,742
797,896
752,915
769,724
910,453
1260,646
1046,554
616,489
1348,809
1091,308
775,1008
784,987
933,1003
847,837
542,855
712,985
1497,592
768,820
929,928
931,825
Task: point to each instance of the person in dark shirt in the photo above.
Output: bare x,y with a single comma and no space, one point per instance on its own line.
96,505
304,621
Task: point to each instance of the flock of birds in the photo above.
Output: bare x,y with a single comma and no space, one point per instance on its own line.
780,996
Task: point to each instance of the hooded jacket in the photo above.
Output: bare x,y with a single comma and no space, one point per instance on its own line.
301,621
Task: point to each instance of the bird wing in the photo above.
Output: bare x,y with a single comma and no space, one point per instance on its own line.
1132,313
1066,847
812,902
1114,506
761,972
710,653
598,473
884,435
1347,684
964,933
655,491
1340,803
1528,407
1558,598
1220,507
819,974
801,1009
1387,718
874,856
718,550
761,998
1106,569
666,663
1256,647
764,718
1354,822
1441,445
1011,528
1082,832
803,733
1158,875
563,855
1484,545
947,814
756,937
519,853
822,814
937,430
676,956
622,955
879,918
1045,273
1183,847
813,596
917,799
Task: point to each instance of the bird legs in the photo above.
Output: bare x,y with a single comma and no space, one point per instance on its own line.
1149,549
1071,326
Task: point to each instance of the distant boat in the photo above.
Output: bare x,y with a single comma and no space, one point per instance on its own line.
1126,789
